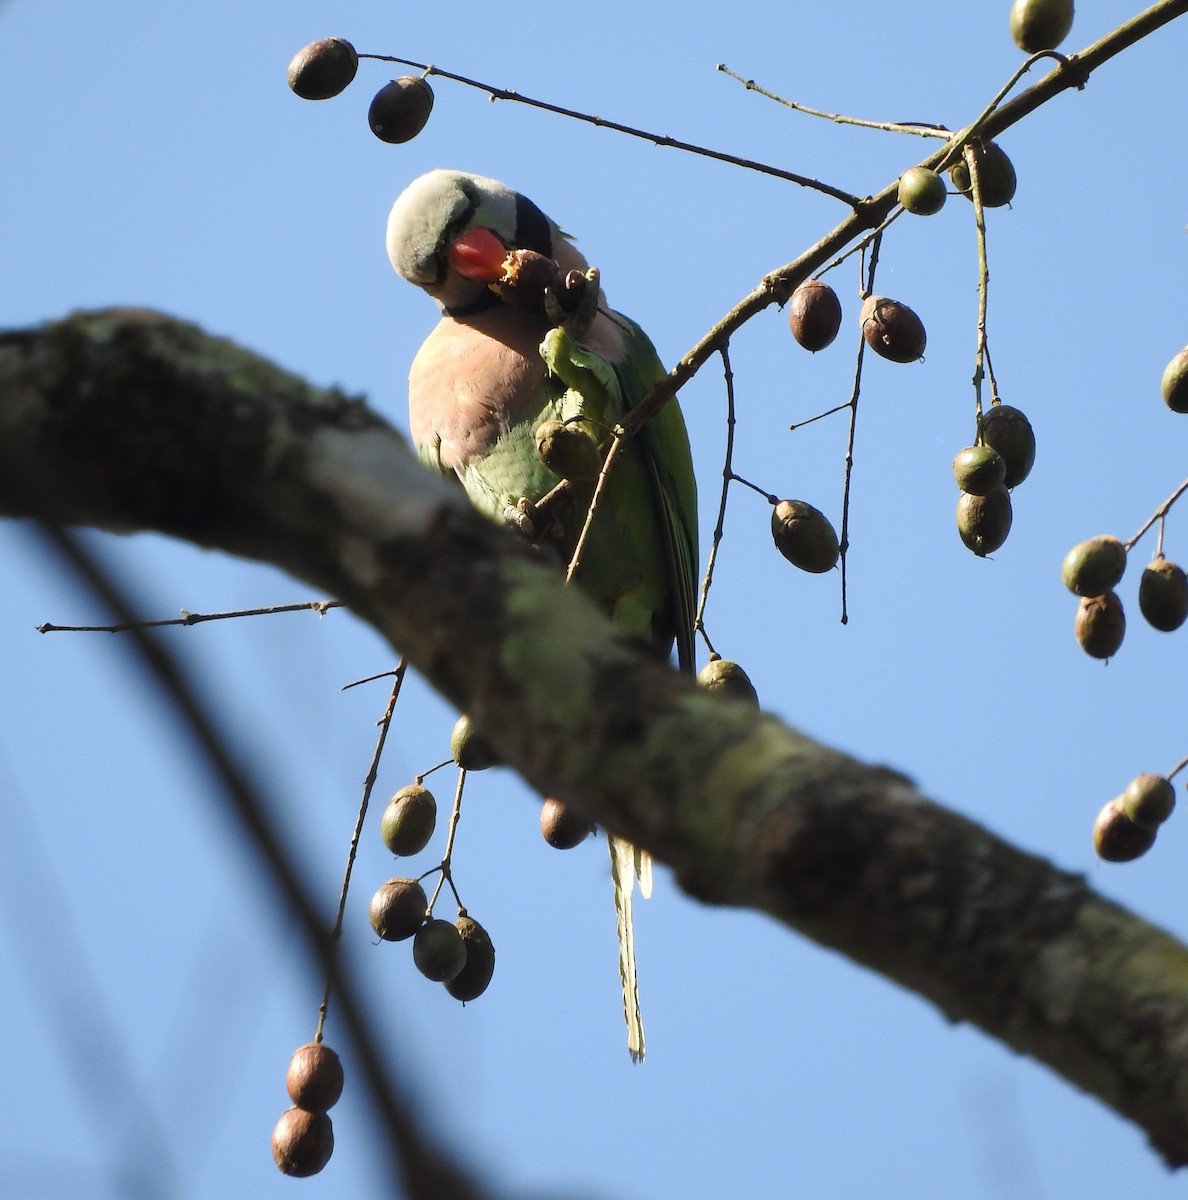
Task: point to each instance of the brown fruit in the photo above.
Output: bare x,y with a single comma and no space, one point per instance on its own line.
469,749
1040,24
996,174
472,981
397,909
983,522
568,450
979,470
1100,625
921,191
409,820
1174,384
721,677
892,330
1009,432
400,109
323,68
1094,566
804,536
438,951
1163,595
1116,838
1148,800
563,827
814,314
302,1142
314,1077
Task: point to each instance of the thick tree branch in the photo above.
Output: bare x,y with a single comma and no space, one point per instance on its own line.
129,420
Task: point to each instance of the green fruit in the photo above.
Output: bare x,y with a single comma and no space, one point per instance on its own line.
1116,838
983,522
400,109
721,677
1148,800
996,174
804,536
302,1142
397,909
1040,24
1093,567
438,951
568,451
323,68
472,981
979,470
409,820
468,748
1009,432
892,330
921,191
1100,625
1163,595
314,1078
563,827
1174,384
814,315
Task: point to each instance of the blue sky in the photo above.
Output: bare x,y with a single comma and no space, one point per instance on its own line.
155,157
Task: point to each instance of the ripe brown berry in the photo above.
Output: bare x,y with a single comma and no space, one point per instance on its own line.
1040,24
409,820
323,68
979,470
1100,625
996,175
568,450
1116,838
302,1142
314,1077
397,909
438,951
1148,800
1163,595
921,191
472,981
469,749
1094,566
1009,432
400,109
721,677
983,522
804,536
892,330
1174,384
562,826
814,314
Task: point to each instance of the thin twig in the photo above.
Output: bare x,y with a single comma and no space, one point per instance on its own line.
188,618
1160,512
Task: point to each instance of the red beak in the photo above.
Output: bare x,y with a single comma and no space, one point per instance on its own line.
478,254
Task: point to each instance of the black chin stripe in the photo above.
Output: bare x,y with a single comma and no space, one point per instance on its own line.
532,228
488,299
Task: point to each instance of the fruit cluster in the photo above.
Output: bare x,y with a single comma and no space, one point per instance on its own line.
303,1139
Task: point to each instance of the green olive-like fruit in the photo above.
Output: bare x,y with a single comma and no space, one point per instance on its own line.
438,951
983,522
921,191
814,314
804,536
1100,625
1174,384
562,826
302,1142
472,981
314,1078
1163,595
892,330
1116,838
323,68
469,749
1040,24
996,174
568,451
1094,566
1149,800
400,109
397,909
409,820
979,470
721,677
1008,431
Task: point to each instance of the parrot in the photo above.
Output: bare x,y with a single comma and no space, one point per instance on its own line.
494,370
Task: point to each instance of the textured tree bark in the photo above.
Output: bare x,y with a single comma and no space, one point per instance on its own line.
126,419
